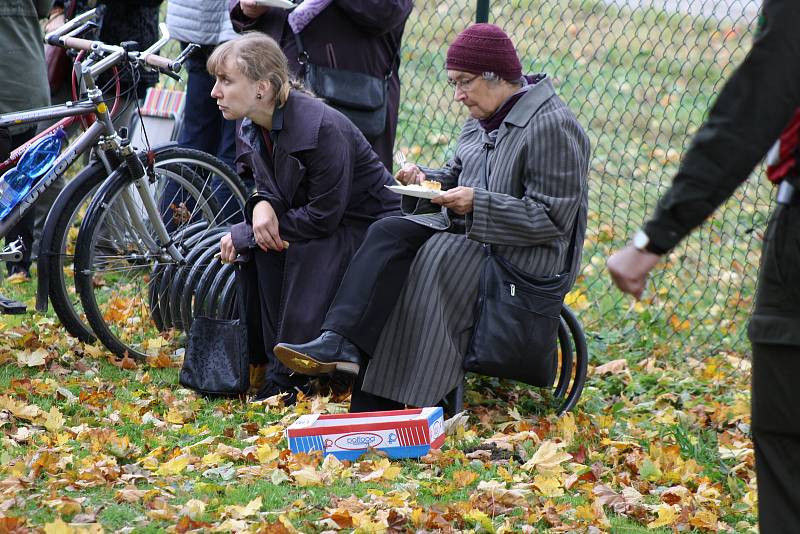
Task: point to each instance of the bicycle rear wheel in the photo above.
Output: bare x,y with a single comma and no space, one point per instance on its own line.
115,257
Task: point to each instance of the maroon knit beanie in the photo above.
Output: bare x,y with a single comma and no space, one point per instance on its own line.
484,48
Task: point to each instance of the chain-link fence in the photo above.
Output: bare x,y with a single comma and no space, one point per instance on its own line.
640,75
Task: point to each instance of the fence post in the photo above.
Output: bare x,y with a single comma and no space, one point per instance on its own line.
482,11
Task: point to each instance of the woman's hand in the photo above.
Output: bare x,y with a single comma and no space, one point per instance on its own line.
459,199
265,228
227,252
252,10
409,174
629,268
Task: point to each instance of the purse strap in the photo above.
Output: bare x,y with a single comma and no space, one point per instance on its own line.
303,58
489,146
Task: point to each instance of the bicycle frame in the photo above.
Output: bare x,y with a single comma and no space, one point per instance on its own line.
82,144
102,133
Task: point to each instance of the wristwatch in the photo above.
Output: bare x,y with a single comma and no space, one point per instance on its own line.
641,241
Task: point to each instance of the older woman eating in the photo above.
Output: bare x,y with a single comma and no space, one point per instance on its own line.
404,314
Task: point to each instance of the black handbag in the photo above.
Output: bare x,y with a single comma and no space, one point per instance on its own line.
360,97
216,361
517,318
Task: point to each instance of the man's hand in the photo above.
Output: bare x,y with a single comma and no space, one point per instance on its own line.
252,10
265,227
227,252
629,268
409,174
459,199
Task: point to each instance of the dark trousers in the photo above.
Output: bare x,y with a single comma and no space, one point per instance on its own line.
24,228
370,289
776,436
203,126
260,283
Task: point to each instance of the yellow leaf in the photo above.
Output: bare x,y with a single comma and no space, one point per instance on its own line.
20,410
481,518
464,478
266,453
240,512
666,516
549,486
384,470
32,359
613,367
547,457
212,458
307,477
193,508
567,428
174,466
704,519
585,512
60,527
65,505
156,343
174,417
54,420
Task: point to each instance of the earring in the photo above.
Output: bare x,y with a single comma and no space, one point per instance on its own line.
258,96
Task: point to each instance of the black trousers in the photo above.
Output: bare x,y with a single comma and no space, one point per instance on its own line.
370,289
776,436
260,282
374,279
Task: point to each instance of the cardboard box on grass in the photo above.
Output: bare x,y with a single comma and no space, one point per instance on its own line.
399,433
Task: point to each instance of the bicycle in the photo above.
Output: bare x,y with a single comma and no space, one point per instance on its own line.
145,216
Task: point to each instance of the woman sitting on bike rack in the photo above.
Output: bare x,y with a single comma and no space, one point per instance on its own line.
319,187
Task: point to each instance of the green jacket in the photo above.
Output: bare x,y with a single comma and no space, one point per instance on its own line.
24,75
752,109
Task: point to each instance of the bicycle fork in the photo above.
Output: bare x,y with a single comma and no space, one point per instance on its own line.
140,182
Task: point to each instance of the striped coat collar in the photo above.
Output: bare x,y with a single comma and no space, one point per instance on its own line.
523,111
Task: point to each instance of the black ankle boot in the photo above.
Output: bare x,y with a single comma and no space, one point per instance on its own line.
328,353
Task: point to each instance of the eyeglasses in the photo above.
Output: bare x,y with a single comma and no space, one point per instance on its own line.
464,85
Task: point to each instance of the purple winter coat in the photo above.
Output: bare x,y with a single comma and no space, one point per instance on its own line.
326,185
357,35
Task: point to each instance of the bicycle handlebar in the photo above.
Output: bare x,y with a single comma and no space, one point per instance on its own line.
149,56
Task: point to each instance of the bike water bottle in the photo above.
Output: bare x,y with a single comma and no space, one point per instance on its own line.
37,160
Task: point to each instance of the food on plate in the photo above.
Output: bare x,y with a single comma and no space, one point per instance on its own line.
433,185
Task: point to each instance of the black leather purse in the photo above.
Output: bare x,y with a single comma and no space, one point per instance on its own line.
517,318
360,97
216,360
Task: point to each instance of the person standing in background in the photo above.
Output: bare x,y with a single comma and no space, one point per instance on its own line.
757,102
207,23
24,87
356,35
124,20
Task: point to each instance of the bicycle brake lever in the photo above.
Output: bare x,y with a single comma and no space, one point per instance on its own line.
190,49
170,74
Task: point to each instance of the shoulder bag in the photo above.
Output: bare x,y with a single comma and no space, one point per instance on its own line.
360,97
517,318
216,360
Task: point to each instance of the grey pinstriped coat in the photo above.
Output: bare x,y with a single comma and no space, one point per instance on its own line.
537,191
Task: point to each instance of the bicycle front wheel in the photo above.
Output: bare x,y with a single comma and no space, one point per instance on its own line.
119,248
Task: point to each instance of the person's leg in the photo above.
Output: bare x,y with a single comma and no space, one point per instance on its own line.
361,401
374,280
270,267
24,228
776,436
200,128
